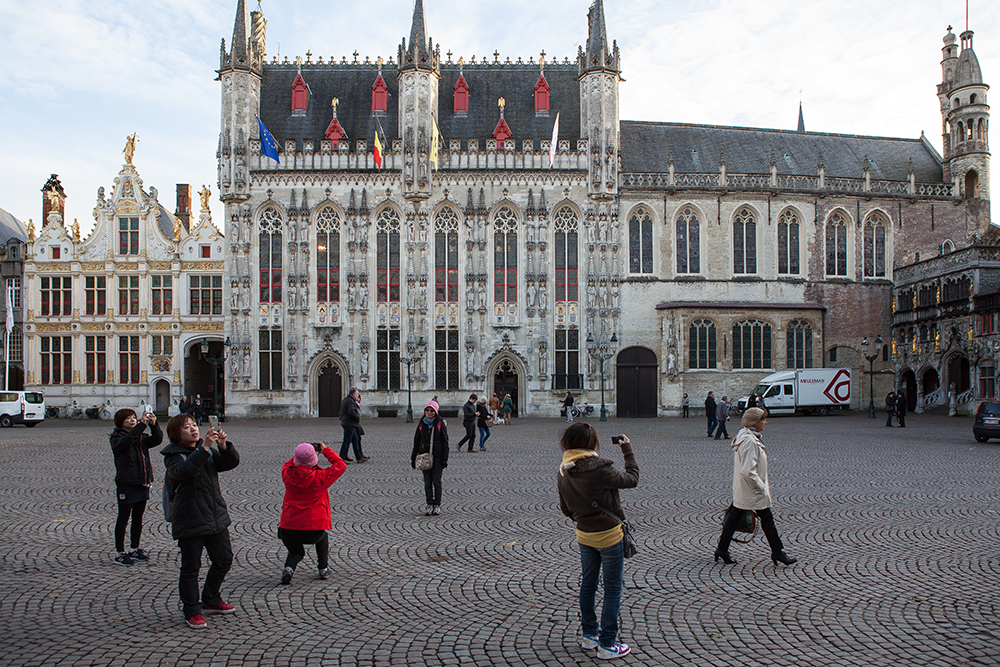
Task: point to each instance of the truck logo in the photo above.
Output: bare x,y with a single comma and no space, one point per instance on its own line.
839,389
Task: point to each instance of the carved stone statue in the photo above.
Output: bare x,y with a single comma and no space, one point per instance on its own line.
205,194
482,295
245,294
292,293
671,363
531,296
423,298
470,296
291,363
246,361
591,296
671,332
604,296
234,364
364,362
100,197
129,150
543,297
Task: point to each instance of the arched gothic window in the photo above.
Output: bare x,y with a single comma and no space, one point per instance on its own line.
875,227
446,255
751,345
688,245
798,344
744,242
640,241
565,226
328,255
270,256
702,344
387,255
505,255
788,243
836,244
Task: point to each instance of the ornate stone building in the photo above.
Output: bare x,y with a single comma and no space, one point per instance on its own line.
132,314
13,236
418,214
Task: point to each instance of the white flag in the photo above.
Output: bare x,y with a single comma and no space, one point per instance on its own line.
10,309
555,140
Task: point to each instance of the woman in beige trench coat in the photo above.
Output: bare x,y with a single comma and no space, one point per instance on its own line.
750,488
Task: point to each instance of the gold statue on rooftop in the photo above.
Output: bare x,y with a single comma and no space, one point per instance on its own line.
501,103
129,150
31,230
54,201
76,230
205,193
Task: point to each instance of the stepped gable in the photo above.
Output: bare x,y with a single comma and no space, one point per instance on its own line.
748,151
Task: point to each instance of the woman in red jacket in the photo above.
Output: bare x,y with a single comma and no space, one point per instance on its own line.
305,511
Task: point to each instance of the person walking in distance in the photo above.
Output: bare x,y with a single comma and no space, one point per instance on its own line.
305,509
469,413
133,477
431,436
197,409
199,517
901,408
722,416
710,412
350,420
495,407
568,407
685,406
184,405
483,419
890,408
508,408
587,484
750,489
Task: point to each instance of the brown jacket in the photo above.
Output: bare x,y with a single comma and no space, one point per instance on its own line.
595,479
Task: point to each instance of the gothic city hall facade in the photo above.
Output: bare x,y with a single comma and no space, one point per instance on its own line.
418,222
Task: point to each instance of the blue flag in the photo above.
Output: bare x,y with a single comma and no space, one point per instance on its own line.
268,147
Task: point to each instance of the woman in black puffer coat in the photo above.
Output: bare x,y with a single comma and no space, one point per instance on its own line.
133,477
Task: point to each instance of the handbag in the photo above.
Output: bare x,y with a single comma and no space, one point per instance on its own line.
424,461
747,524
629,546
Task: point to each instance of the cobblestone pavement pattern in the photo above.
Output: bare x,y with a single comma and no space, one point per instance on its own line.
895,531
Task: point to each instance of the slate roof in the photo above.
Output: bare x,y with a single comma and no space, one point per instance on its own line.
11,227
646,146
352,85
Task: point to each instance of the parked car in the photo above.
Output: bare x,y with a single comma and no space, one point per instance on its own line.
21,407
987,424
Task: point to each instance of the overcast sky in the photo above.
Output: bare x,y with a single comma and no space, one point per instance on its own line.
79,76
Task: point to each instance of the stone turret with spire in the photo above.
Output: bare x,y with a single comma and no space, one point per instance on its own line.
965,117
599,121
419,79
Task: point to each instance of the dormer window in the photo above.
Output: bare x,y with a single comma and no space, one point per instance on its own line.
300,96
56,252
542,96
380,96
501,134
334,132
461,96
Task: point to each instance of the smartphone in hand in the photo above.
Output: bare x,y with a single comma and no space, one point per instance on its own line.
213,422
616,440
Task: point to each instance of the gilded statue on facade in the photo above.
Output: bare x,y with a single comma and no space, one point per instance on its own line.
31,230
204,194
76,230
129,150
53,197
177,229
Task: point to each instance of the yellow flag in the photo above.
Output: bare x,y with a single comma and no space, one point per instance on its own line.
434,143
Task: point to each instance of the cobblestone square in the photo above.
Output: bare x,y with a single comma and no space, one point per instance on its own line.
896,532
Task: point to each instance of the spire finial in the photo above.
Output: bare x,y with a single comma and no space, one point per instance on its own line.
379,61
541,61
298,63
461,64
334,102
501,103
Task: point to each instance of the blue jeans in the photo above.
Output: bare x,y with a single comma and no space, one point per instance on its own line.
612,561
484,435
712,423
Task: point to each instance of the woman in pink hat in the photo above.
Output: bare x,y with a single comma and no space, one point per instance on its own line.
431,436
305,511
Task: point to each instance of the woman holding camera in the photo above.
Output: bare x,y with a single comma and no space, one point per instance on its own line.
750,488
133,477
586,484
305,511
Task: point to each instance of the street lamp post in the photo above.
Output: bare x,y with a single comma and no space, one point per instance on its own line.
871,370
415,351
601,351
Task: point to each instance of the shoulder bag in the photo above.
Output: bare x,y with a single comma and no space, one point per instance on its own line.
425,461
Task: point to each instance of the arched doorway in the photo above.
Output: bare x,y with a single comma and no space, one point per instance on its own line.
505,381
204,374
908,385
329,390
958,373
637,387
931,381
162,400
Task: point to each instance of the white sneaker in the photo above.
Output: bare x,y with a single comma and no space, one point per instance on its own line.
588,642
616,651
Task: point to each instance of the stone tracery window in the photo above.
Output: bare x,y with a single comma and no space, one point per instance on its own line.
744,242
328,255
566,226
702,344
874,245
798,344
688,231
387,255
788,242
446,255
751,345
505,255
640,241
836,244
270,256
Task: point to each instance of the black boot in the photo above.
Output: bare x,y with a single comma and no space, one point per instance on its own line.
726,558
783,558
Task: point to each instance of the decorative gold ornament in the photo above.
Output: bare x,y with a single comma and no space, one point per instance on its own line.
76,230
53,198
501,103
129,150
31,230
205,193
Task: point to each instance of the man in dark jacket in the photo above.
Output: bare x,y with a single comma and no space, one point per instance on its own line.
350,420
710,412
568,408
901,409
198,514
469,422
890,408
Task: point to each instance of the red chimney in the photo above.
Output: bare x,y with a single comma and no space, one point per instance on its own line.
183,212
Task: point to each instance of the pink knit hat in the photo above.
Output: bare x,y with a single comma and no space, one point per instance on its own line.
433,404
305,455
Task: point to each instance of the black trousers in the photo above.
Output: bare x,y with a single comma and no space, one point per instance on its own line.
295,541
470,435
126,510
432,485
766,519
220,552
721,431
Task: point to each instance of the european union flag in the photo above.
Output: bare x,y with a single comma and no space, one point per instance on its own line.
268,147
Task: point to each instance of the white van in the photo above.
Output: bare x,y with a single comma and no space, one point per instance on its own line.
21,407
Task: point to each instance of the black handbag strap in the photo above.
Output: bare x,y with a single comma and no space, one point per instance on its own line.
593,503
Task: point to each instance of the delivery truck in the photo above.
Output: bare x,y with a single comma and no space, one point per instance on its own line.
811,390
